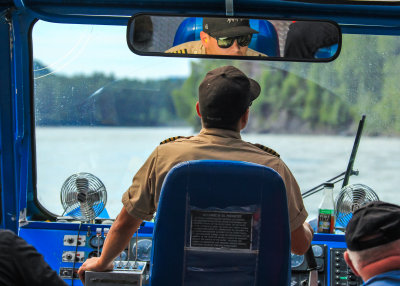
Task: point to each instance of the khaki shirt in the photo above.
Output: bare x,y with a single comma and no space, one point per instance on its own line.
141,199
197,48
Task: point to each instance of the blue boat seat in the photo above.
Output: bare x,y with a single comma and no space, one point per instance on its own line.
326,52
221,223
266,41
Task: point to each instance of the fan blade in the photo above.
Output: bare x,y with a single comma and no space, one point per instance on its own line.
359,196
346,207
71,198
82,184
87,211
93,197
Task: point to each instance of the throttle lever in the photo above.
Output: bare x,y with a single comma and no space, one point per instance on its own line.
312,267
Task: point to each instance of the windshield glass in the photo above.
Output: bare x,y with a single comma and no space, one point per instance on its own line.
100,109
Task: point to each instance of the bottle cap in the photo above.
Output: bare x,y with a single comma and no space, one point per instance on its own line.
329,185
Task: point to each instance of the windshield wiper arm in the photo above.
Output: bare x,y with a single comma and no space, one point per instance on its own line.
349,171
354,152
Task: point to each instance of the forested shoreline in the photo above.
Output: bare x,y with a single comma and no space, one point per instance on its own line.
103,100
325,98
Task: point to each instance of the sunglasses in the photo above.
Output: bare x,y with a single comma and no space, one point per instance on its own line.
226,42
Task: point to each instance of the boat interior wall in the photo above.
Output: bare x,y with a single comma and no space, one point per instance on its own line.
7,198
6,3
380,15
380,20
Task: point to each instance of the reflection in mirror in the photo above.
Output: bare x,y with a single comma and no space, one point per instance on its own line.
261,38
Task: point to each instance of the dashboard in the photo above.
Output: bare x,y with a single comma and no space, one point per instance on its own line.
328,251
65,246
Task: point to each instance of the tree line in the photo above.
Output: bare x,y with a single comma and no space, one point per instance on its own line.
322,98
102,100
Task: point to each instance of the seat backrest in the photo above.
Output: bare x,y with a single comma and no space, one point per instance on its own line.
326,52
266,41
221,223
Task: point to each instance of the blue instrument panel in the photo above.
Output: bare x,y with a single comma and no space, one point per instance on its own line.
65,246
332,269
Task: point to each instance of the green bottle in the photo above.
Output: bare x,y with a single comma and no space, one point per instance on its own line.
326,211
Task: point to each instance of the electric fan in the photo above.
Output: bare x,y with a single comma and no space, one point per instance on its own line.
350,198
83,196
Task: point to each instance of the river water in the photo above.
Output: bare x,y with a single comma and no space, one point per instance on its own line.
115,154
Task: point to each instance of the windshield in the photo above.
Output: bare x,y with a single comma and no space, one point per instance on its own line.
100,109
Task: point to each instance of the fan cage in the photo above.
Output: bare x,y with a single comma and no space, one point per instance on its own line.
83,196
350,198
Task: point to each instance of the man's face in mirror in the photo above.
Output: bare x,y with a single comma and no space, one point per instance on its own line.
232,37
230,46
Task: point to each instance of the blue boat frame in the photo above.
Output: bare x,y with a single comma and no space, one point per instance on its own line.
18,200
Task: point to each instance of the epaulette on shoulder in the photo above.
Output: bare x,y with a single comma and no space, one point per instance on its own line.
182,51
266,149
171,139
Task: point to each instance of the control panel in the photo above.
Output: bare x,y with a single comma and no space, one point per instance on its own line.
341,274
328,250
300,267
132,274
74,240
135,256
65,246
71,256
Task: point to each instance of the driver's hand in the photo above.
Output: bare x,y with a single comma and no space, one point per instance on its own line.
93,264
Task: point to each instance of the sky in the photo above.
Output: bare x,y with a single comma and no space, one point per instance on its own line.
82,49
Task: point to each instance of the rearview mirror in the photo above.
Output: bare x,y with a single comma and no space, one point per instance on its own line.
264,39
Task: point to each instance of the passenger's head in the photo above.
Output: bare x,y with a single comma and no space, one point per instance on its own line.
225,96
372,236
226,36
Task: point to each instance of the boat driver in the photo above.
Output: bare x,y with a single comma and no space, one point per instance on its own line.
221,36
225,96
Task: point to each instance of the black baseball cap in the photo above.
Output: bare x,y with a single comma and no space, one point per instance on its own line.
227,27
225,94
373,224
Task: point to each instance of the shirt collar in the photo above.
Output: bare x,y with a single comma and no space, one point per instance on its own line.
224,133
